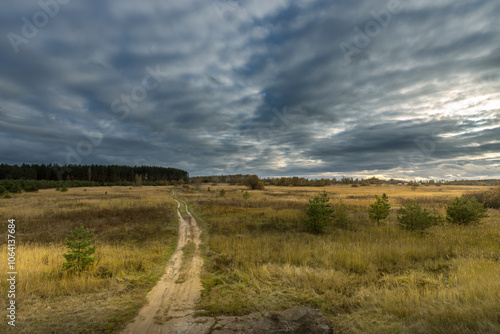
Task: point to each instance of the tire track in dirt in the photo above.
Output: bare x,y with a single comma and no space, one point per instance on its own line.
171,305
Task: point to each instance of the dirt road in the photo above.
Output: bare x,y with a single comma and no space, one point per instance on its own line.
171,302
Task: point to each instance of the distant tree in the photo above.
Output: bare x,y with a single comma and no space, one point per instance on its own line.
464,211
254,182
380,209
79,242
319,213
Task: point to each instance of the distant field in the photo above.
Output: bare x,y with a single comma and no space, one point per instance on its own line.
365,279
135,233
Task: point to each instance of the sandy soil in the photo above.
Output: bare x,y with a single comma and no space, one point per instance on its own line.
171,304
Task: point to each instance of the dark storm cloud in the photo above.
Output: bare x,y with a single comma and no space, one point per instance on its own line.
314,88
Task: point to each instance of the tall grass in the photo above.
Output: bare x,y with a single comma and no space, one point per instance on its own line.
135,234
366,279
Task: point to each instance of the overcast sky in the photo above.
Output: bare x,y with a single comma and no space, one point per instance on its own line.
403,89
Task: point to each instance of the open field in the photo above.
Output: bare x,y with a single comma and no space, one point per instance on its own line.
258,257
135,233
366,278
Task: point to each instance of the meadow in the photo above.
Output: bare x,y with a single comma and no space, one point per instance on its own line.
135,234
365,278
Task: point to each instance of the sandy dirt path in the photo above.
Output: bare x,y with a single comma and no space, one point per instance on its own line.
171,303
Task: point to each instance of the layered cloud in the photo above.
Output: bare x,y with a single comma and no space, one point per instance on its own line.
313,88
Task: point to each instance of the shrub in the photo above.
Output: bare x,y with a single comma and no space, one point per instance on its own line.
222,193
80,247
319,213
246,195
33,187
380,209
413,186
464,211
253,182
414,218
14,188
490,198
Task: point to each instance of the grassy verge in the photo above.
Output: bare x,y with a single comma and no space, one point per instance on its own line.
135,233
187,257
365,279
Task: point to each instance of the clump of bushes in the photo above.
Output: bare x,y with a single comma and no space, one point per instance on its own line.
464,211
490,198
414,218
254,182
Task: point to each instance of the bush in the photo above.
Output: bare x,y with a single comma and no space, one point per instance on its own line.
254,183
80,247
14,187
319,213
414,218
464,211
413,186
31,188
490,198
222,193
246,195
380,209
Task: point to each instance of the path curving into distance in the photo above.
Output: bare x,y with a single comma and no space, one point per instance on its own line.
171,303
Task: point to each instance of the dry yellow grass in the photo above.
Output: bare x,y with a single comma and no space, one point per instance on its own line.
135,233
366,279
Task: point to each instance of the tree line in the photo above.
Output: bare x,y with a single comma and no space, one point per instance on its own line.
242,179
91,173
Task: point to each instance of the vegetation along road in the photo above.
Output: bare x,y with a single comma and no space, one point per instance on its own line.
171,303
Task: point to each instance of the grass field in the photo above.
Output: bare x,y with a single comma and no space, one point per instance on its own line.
135,233
366,278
